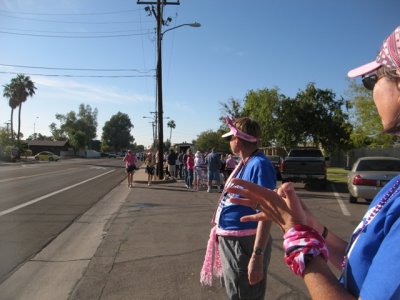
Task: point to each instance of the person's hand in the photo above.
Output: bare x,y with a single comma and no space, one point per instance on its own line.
255,269
282,206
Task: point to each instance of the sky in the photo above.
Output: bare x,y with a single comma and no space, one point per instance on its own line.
103,54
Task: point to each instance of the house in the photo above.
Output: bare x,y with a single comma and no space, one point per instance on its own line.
53,146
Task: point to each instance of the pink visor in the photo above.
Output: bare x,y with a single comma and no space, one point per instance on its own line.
388,56
238,133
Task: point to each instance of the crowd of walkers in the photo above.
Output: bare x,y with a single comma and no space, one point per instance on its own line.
198,171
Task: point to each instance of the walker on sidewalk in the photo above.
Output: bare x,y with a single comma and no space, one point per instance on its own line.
203,181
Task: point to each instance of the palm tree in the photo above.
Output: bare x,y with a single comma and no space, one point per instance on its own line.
171,124
12,102
22,87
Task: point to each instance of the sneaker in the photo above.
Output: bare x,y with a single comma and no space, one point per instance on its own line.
186,186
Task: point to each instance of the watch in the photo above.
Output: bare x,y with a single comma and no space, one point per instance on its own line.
258,251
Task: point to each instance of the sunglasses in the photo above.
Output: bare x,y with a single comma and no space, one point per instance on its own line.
369,81
229,138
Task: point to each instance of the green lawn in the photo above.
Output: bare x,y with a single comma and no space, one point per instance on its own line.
337,175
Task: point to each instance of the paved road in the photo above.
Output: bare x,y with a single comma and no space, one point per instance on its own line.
149,243
40,200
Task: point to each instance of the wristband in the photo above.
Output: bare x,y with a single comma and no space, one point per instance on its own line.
301,244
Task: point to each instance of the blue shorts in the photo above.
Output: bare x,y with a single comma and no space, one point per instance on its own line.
214,175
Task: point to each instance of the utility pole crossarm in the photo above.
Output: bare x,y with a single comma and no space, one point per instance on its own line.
159,2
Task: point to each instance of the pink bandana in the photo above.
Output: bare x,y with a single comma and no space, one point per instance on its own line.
236,132
301,243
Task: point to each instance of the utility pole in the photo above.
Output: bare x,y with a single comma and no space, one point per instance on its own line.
158,14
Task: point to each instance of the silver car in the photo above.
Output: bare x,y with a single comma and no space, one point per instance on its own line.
369,175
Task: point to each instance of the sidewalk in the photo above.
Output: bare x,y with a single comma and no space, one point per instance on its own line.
155,246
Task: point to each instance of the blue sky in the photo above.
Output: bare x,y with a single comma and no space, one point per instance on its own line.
241,45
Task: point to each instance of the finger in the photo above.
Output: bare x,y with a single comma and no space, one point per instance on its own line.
255,218
244,202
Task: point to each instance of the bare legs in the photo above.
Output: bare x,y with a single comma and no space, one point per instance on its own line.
130,179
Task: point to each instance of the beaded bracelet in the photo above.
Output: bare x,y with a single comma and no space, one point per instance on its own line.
302,243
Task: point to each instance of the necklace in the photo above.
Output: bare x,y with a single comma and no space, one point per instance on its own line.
388,195
236,172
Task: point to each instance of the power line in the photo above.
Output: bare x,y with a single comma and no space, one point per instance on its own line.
76,32
69,14
77,69
67,22
75,36
78,76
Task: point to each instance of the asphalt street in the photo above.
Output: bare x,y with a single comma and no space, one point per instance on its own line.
147,242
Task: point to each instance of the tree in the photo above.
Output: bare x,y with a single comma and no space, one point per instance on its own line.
40,137
365,118
314,118
171,124
212,139
12,102
5,139
117,132
262,106
233,109
21,87
80,129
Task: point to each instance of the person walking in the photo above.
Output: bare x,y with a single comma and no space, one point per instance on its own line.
198,164
189,169
171,161
230,165
150,165
130,160
244,249
213,166
369,261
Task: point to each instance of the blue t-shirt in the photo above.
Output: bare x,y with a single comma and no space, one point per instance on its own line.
259,170
213,162
373,267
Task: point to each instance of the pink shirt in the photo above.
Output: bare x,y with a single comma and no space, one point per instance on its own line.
230,163
130,159
190,162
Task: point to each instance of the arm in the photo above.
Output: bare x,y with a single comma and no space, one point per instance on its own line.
336,245
256,263
322,283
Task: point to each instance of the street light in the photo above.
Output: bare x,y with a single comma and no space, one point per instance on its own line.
154,125
34,128
160,124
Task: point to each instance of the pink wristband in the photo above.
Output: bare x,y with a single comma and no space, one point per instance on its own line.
302,243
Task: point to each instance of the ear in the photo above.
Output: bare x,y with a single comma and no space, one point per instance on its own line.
398,78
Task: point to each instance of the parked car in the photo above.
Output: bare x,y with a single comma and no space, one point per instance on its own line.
112,155
369,174
276,162
46,155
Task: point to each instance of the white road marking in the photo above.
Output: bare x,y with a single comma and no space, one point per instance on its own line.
343,207
12,209
30,176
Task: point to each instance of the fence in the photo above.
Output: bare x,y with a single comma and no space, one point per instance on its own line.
346,159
